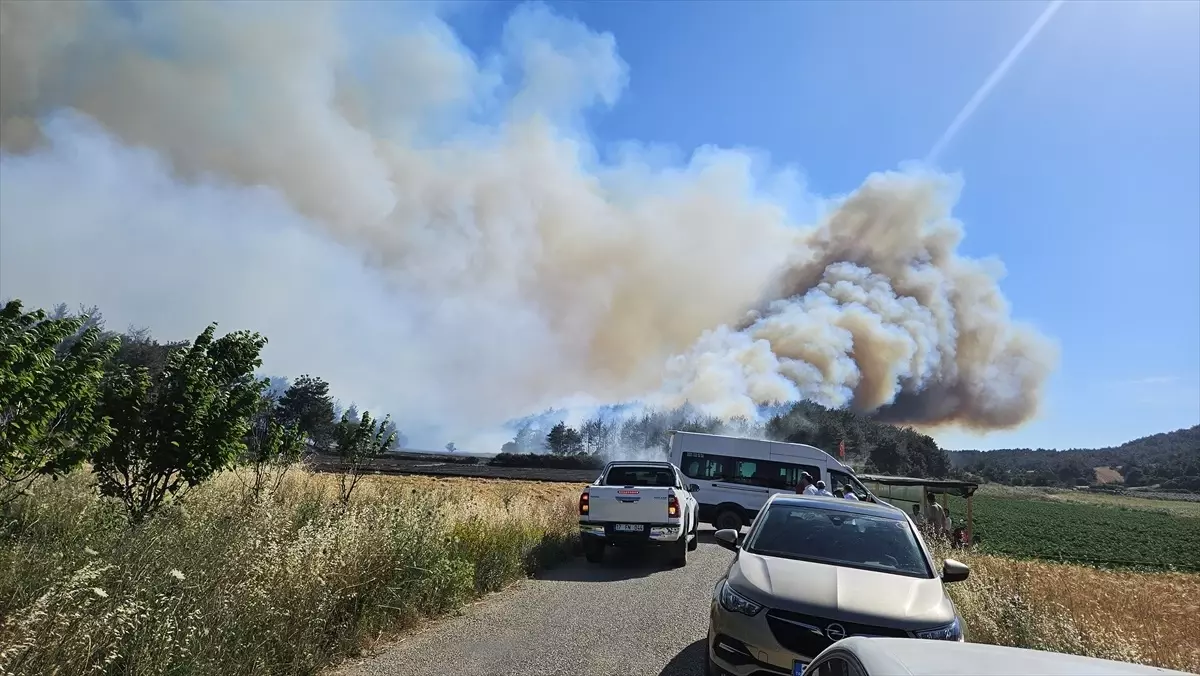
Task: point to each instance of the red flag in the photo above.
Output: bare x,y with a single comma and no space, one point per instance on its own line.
842,448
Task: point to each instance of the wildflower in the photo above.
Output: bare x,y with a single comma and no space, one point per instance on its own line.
100,592
177,574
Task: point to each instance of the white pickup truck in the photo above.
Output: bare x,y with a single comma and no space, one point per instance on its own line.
639,503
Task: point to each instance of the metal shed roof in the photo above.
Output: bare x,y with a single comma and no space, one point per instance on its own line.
950,486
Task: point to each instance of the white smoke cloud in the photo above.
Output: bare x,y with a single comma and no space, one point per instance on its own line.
434,233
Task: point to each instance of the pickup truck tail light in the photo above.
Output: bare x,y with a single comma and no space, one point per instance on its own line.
672,506
583,504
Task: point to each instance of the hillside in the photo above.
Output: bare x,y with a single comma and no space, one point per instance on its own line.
1170,460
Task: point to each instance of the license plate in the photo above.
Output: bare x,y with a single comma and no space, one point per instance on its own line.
798,668
629,527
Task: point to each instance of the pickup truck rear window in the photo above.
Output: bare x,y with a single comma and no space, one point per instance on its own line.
640,476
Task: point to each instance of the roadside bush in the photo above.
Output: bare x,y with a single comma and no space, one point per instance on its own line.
211,587
50,372
174,429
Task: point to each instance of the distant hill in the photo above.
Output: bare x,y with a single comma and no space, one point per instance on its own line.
1170,460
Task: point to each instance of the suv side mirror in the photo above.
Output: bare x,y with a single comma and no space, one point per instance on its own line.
954,571
727,538
692,488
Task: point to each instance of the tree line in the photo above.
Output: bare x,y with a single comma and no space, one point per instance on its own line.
1170,461
870,446
154,420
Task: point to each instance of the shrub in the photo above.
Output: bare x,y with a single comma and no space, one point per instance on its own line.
49,376
175,429
357,441
209,587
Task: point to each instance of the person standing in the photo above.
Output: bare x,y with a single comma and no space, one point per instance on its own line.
916,515
806,486
934,514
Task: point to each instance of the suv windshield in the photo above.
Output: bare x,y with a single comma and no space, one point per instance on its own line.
839,538
640,476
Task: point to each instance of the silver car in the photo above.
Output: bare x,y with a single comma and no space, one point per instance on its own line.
857,656
813,570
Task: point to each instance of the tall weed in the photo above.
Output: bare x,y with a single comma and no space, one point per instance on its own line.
1121,615
216,586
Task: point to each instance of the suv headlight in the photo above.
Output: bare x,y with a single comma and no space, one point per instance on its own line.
949,632
736,603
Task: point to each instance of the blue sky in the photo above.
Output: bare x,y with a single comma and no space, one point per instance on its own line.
1081,168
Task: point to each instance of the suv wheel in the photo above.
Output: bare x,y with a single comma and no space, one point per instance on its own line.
729,519
679,551
593,550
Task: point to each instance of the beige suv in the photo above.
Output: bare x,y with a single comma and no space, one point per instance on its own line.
813,570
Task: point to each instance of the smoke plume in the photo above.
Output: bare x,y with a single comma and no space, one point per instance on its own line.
434,233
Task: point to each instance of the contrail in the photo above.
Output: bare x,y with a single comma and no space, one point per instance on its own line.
993,79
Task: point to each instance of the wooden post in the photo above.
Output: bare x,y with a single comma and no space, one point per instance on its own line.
970,528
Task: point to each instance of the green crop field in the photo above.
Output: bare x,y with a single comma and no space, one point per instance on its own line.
1103,535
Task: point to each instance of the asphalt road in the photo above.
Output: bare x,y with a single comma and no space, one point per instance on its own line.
630,615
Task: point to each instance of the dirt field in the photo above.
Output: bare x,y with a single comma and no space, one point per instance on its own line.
1108,475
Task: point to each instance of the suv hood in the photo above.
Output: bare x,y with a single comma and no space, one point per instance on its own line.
846,594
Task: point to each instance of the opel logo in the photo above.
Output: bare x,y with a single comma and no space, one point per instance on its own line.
835,632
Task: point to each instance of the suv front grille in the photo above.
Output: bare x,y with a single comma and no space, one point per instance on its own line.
808,635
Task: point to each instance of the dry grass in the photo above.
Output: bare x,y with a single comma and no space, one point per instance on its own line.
215,586
287,587
489,489
1107,475
1148,618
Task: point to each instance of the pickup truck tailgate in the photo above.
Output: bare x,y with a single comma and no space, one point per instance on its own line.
631,504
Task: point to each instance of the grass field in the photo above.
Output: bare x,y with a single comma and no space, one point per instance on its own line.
287,587
1102,530
1180,506
1129,616
218,587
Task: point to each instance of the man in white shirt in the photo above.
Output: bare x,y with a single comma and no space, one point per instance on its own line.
806,486
935,516
822,490
848,493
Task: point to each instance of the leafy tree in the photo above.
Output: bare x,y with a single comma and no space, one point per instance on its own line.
90,317
176,429
139,350
563,440
1156,459
306,404
401,440
48,421
273,447
528,439
597,436
357,441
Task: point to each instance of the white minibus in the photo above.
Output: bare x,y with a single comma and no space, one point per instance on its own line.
736,475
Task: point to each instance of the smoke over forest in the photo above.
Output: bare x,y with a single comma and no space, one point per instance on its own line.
434,232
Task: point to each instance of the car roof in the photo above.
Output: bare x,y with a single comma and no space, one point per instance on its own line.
907,656
838,505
